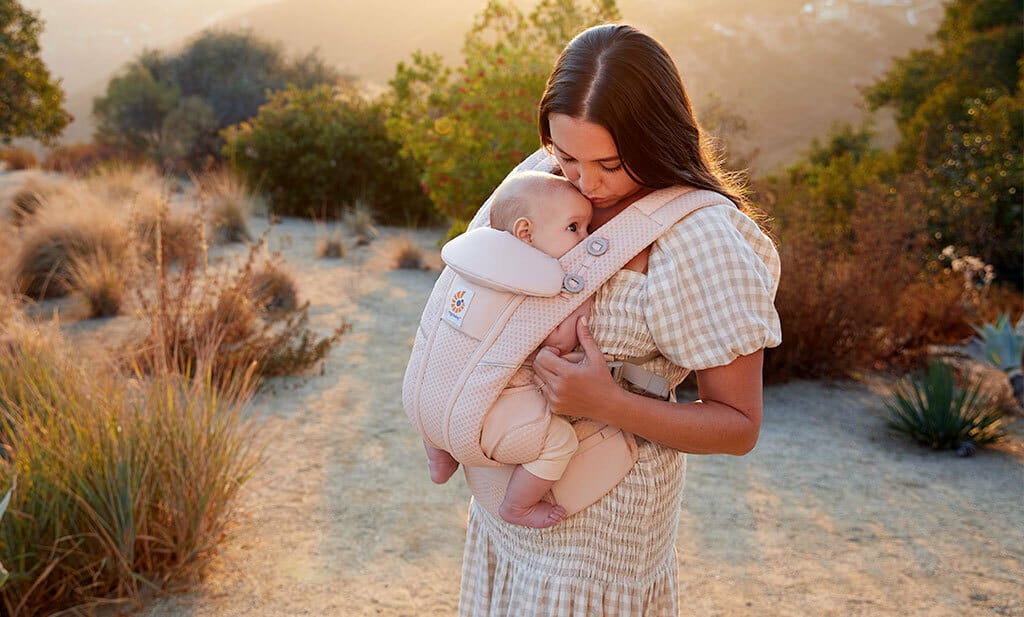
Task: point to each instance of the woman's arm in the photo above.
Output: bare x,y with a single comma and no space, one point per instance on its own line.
726,419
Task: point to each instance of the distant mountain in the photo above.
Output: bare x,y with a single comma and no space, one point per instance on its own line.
790,67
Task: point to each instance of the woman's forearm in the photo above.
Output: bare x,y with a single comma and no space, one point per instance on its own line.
700,427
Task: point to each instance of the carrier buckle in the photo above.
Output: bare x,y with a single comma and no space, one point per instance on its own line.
573,283
639,380
597,246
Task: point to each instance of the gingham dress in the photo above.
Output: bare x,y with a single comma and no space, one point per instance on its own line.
707,298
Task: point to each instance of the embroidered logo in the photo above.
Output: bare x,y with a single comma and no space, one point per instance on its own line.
461,297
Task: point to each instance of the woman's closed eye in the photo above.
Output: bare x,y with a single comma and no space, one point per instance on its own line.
568,159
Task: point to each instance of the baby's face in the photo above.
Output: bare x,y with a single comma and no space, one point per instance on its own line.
560,221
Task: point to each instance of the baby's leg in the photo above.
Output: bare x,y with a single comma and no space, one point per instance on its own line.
523,505
441,464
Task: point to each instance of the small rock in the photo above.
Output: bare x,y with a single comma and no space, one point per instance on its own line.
966,449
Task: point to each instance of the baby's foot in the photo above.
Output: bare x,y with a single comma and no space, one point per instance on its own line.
540,515
442,466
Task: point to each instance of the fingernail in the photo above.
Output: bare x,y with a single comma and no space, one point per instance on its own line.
583,320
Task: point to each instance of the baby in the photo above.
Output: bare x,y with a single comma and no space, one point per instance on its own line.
547,212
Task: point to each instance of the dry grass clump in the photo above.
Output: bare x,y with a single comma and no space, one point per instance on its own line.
359,220
124,186
181,233
330,246
101,280
407,255
82,158
273,289
41,264
224,312
122,483
16,159
229,204
32,195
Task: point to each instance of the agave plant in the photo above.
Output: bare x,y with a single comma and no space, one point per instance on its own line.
1001,346
936,412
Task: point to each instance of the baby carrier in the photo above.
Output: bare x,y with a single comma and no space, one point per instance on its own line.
485,316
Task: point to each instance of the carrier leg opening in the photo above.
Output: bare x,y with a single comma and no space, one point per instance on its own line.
523,503
441,464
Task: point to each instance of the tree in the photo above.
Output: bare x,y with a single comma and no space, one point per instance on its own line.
316,151
172,107
960,110
132,111
468,127
31,102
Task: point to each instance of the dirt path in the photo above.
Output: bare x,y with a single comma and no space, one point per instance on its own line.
830,515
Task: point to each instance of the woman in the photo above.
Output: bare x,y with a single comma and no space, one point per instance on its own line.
616,119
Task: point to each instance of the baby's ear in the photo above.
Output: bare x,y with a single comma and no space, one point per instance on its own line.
523,229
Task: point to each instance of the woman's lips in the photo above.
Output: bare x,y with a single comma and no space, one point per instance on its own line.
596,200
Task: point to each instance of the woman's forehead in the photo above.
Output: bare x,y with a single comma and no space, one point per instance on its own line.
581,139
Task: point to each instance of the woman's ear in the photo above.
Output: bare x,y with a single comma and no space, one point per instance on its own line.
523,229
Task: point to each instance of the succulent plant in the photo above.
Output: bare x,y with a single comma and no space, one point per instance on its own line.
936,412
1001,345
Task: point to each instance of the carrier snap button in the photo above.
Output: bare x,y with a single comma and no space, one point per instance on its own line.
597,246
573,283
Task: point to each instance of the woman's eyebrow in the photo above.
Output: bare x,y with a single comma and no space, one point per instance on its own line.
606,159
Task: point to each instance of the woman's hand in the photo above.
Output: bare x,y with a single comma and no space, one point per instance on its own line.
578,384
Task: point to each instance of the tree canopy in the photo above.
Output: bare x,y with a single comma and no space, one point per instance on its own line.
960,110
31,101
467,127
172,106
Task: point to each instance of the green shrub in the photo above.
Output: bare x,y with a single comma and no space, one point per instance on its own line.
315,150
960,113
469,129
933,410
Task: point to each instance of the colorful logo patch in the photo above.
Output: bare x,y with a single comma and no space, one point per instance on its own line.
461,297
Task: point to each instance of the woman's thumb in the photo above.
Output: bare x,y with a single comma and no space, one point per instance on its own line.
587,342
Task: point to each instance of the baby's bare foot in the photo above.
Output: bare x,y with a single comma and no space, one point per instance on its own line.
441,467
540,515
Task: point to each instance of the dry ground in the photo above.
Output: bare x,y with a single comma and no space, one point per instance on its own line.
831,514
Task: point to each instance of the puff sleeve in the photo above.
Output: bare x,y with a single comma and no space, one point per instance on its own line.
711,289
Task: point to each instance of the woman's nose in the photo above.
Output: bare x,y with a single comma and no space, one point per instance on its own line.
588,182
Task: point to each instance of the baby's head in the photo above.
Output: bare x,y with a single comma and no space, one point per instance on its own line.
542,209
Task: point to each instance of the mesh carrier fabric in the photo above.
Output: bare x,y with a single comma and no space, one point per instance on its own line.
452,379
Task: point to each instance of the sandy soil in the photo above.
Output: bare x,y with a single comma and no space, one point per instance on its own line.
832,514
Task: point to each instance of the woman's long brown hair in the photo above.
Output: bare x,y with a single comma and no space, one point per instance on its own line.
625,81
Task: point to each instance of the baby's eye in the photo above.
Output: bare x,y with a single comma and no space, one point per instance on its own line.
573,227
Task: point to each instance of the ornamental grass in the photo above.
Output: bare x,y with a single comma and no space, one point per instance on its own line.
124,482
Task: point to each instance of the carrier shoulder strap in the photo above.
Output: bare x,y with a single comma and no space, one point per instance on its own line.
587,266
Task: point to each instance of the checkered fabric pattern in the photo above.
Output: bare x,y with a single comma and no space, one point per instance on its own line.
614,559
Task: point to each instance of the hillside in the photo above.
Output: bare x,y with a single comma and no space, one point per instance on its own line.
791,68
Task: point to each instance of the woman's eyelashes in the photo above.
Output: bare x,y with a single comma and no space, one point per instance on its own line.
566,160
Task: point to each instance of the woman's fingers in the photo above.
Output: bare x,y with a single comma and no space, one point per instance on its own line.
590,347
547,360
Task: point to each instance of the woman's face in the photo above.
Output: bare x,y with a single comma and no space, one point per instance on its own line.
588,157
